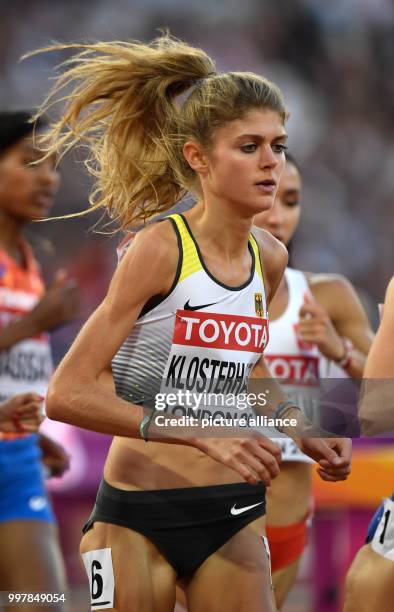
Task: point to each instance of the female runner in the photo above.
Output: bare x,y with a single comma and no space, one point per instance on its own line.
370,581
312,316
185,312
26,314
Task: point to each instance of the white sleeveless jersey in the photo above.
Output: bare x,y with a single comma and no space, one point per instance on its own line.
202,337
293,362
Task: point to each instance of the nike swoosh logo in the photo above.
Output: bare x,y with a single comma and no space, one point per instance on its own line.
187,306
234,511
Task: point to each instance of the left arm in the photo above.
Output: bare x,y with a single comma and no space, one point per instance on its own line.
332,454
21,413
376,401
54,457
333,315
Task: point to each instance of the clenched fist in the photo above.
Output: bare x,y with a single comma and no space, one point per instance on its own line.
21,413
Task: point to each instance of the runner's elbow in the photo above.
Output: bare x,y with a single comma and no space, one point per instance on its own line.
61,400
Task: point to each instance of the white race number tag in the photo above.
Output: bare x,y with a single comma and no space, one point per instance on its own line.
98,565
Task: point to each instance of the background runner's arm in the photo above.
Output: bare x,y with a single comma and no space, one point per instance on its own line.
21,413
59,305
376,402
333,454
16,331
334,313
380,362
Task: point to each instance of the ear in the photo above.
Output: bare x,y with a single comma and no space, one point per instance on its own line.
195,156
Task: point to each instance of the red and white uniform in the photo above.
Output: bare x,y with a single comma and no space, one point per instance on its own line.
293,362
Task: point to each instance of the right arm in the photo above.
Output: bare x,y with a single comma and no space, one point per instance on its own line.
59,305
75,394
380,360
376,403
21,413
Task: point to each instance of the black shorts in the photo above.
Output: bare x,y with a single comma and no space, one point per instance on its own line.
186,525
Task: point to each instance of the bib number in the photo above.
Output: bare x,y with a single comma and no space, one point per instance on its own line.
99,568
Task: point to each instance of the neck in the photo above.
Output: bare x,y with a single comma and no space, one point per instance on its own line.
10,233
218,226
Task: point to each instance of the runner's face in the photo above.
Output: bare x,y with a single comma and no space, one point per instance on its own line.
246,161
26,192
282,219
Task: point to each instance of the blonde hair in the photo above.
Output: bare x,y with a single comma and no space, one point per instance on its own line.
125,107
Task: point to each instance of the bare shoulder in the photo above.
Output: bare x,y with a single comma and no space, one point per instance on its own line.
273,253
273,257
388,309
270,247
389,299
337,294
155,243
330,284
153,253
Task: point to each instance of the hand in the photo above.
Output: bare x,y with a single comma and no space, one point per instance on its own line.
334,456
255,458
54,457
21,413
60,304
315,327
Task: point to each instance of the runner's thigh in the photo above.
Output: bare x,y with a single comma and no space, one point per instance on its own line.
369,583
236,578
126,571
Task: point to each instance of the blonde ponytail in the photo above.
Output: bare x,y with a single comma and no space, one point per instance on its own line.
124,107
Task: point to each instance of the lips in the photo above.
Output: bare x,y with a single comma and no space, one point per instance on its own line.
267,186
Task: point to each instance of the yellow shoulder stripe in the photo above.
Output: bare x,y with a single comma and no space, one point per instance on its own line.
190,260
256,252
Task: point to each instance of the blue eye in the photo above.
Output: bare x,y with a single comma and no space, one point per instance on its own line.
249,148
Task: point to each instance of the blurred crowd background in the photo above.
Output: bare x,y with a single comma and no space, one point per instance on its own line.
333,61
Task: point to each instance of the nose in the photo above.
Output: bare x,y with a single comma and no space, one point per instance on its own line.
268,159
